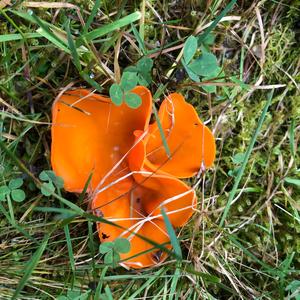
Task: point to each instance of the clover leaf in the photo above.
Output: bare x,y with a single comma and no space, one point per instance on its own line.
202,67
13,190
133,75
112,250
51,181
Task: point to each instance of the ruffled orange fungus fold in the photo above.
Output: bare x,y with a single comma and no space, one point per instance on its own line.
132,177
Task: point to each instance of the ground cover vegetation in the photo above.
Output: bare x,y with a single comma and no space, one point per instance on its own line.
237,62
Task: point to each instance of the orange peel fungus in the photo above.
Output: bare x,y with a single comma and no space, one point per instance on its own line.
132,176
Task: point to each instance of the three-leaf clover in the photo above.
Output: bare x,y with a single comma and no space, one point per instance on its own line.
50,182
112,250
205,66
13,190
132,76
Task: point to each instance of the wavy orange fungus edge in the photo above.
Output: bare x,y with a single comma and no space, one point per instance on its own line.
132,177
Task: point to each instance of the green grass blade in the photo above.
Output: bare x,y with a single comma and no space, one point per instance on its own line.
234,239
31,266
172,234
90,81
18,36
139,40
100,283
205,276
86,185
246,158
292,137
18,227
73,49
92,16
91,243
51,38
147,284
174,282
161,131
45,31
92,35
108,293
70,249
63,211
216,21
11,210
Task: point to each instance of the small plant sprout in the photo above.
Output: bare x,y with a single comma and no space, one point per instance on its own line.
201,67
139,74
12,192
50,182
112,250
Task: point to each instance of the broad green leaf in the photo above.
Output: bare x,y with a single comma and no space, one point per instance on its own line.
62,298
209,39
59,182
116,94
122,245
15,183
18,195
112,258
213,78
44,176
209,89
73,294
133,69
47,188
205,65
129,81
293,181
190,73
4,191
133,100
145,64
106,247
190,48
142,81
48,175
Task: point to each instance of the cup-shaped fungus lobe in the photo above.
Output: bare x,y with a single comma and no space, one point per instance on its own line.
132,176
90,135
124,207
191,143
134,208
158,189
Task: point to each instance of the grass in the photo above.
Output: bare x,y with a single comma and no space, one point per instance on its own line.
243,242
